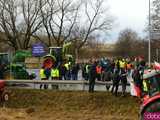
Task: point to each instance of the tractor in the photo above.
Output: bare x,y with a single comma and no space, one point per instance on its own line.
60,55
57,56
151,97
14,68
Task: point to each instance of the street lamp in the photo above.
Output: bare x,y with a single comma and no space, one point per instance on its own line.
149,42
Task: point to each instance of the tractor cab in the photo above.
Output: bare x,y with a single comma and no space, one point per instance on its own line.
151,83
57,52
60,55
151,92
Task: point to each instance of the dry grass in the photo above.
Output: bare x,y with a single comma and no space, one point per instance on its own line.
60,105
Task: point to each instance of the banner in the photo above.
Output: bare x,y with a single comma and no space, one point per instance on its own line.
38,50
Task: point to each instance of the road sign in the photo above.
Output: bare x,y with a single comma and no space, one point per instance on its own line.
155,35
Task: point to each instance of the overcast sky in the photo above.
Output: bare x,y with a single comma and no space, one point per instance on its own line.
129,14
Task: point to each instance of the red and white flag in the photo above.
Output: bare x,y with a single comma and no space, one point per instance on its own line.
156,65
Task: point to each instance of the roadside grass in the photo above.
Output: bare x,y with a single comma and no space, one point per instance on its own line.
74,104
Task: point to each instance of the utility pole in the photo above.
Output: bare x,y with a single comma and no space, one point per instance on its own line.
149,42
157,54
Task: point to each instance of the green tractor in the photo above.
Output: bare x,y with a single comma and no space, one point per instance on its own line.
60,54
57,56
14,68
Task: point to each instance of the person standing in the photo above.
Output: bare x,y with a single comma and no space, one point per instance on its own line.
43,77
130,69
116,77
92,77
67,73
55,76
85,71
98,72
74,71
137,81
107,76
123,78
62,71
55,73
116,80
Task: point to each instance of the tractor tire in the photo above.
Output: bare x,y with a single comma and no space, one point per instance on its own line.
5,96
151,108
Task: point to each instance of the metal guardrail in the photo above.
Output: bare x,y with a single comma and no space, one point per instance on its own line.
57,82
83,83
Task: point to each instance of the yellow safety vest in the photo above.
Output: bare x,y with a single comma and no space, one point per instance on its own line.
87,68
67,66
55,72
122,64
145,88
42,75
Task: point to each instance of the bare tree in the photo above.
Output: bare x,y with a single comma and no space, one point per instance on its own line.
19,20
130,44
155,16
32,20
59,17
8,15
94,19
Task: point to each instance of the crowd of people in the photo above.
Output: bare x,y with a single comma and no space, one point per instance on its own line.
64,71
118,71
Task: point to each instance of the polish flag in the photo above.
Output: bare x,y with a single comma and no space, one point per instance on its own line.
157,65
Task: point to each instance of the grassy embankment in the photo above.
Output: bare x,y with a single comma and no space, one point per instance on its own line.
62,105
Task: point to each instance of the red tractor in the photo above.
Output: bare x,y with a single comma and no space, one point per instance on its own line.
151,94
4,95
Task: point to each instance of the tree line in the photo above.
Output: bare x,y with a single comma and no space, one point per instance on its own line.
130,44
53,22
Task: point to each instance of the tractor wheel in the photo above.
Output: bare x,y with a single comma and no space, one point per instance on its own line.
5,96
151,108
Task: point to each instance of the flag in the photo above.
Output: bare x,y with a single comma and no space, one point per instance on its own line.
156,65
